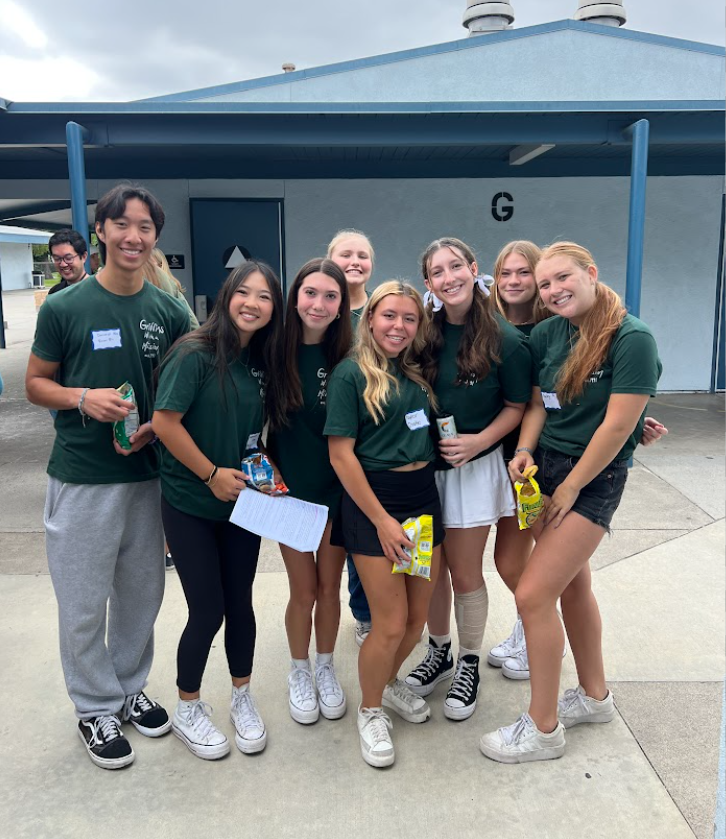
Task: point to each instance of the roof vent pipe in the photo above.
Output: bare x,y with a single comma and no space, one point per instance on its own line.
482,18
606,14
288,68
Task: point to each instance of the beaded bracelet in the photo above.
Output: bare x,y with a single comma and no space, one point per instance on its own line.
83,414
524,449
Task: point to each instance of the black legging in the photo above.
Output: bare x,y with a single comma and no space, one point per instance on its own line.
216,561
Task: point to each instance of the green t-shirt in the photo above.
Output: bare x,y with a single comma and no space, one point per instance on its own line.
300,450
103,340
509,442
402,436
632,366
475,404
224,422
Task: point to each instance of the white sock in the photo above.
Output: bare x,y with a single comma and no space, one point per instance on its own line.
300,663
440,640
323,658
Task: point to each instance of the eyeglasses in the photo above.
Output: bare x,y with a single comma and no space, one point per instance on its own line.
68,258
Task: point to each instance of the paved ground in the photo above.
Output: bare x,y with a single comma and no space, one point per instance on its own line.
651,773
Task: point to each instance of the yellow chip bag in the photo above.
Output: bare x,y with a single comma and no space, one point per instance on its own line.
421,532
529,499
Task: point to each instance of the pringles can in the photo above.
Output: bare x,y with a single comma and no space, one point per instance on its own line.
447,427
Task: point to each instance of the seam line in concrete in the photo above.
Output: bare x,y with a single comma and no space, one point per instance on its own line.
690,501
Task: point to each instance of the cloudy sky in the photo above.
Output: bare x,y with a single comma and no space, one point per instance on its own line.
93,51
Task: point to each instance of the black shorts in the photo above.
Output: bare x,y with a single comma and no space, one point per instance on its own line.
402,495
599,499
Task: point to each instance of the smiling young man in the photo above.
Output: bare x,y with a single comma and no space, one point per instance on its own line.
68,250
104,536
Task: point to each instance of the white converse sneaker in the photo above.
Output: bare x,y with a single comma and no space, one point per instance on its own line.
362,628
523,742
400,698
517,667
192,725
331,698
508,648
303,703
376,745
250,734
576,707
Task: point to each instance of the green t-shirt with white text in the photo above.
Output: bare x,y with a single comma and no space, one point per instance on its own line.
402,437
224,421
631,366
475,404
299,449
103,340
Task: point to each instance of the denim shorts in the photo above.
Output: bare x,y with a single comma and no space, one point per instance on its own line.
598,500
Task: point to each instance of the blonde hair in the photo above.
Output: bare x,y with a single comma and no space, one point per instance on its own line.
157,264
597,329
532,254
373,362
348,233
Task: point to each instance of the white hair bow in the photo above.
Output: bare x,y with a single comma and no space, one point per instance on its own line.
483,281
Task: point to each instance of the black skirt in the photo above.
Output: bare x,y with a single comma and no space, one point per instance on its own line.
402,495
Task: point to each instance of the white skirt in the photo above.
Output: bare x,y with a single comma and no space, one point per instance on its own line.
476,494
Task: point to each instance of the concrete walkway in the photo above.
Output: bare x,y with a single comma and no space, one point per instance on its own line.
651,773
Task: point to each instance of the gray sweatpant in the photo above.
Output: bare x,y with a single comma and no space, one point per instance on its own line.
105,548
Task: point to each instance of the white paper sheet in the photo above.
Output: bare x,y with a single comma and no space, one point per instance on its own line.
293,522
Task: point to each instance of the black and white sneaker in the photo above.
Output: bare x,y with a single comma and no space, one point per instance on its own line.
460,702
106,745
169,562
437,665
146,716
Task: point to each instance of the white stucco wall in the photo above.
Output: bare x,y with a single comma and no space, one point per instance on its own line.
16,265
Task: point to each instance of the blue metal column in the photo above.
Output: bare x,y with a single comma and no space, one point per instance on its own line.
75,136
639,133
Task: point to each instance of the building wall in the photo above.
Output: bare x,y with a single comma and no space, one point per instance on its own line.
681,241
16,265
561,66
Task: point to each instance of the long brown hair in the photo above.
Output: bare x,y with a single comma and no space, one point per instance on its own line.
373,362
532,254
482,338
220,336
597,329
336,341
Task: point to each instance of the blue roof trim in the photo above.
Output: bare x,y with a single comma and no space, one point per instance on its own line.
438,49
4,104
101,108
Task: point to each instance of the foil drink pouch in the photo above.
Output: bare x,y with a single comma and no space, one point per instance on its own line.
529,499
260,475
420,531
125,428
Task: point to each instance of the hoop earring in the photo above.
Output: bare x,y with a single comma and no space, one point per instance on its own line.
337,316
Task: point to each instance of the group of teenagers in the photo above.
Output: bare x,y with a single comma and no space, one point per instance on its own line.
340,387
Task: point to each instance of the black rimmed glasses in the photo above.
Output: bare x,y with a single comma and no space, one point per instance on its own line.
68,258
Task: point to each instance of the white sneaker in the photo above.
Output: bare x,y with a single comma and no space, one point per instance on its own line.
400,698
192,725
250,734
376,745
576,707
331,698
522,742
508,648
303,703
362,628
517,667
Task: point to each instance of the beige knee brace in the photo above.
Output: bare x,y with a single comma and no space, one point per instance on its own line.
470,611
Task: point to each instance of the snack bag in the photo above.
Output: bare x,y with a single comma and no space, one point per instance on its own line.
421,532
529,499
260,475
123,429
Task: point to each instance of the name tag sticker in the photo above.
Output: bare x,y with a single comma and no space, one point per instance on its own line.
106,339
252,441
417,419
551,402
